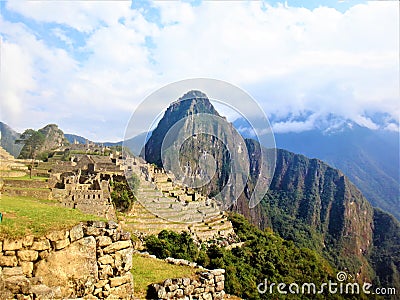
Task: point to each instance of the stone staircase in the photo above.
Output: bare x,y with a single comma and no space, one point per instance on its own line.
155,211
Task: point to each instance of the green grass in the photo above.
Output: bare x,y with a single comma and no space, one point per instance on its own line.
27,215
147,270
26,177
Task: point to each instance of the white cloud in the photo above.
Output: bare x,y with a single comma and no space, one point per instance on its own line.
295,126
290,59
84,16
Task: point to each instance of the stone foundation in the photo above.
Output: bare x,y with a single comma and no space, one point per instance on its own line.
209,285
91,260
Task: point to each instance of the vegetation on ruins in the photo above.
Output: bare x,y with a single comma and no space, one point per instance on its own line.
123,194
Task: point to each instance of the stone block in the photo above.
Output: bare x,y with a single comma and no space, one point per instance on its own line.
8,261
188,290
28,255
172,287
103,241
106,260
198,290
116,236
207,296
112,225
41,245
219,295
12,245
76,233
57,235
219,286
97,291
123,260
17,284
217,272
61,244
185,281
36,280
125,236
106,272
219,278
124,291
167,282
206,275
10,272
92,231
42,291
27,268
101,283
44,254
195,283
117,281
177,281
99,224
117,246
9,253
179,293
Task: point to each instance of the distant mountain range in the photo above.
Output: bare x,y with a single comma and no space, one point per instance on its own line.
8,138
370,158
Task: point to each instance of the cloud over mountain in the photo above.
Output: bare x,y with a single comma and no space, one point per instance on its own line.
89,64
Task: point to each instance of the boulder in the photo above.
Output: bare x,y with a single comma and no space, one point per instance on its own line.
75,264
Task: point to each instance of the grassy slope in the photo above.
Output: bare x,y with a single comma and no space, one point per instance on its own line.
26,215
27,177
147,270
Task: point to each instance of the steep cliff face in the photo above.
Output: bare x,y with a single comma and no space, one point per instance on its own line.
193,102
7,140
316,206
385,253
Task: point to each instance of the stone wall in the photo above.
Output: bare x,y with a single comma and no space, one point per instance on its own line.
38,184
209,285
91,260
93,202
206,285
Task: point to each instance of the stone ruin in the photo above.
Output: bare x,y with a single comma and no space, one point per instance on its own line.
88,192
91,260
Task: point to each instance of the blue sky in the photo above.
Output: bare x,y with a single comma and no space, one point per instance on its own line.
86,65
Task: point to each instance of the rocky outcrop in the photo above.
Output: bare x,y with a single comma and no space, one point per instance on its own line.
208,285
193,102
45,139
89,260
